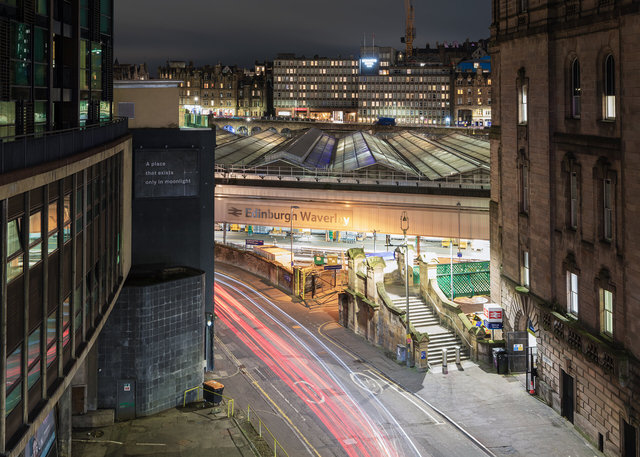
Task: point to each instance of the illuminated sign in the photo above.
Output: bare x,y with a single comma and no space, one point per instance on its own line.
369,66
339,219
369,63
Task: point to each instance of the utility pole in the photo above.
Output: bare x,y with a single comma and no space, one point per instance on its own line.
404,225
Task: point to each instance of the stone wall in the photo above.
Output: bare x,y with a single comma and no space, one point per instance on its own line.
272,271
155,337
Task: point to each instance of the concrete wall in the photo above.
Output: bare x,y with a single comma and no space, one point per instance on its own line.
176,230
155,336
155,107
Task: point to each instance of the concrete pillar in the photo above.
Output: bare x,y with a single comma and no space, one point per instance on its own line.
64,424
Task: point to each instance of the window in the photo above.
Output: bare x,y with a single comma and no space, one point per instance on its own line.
576,90
14,379
14,249
52,346
606,312
66,321
522,104
573,199
607,210
33,361
67,218
525,269
572,293
35,238
609,88
52,227
522,6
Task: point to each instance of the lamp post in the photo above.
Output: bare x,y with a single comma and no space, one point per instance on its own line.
291,232
209,340
404,225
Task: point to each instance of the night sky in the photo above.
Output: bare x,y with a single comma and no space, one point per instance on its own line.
242,31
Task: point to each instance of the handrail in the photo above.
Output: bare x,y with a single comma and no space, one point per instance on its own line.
441,313
231,413
115,120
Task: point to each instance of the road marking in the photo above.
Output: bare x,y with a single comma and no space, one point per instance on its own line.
266,395
313,389
366,382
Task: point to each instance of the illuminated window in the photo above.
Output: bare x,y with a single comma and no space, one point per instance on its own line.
606,312
576,90
572,293
609,88
522,104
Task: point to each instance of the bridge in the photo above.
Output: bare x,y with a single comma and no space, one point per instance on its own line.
249,126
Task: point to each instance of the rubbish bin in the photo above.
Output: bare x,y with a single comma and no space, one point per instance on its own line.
212,391
500,361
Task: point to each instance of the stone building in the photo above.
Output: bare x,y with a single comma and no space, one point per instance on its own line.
564,169
472,93
130,72
220,90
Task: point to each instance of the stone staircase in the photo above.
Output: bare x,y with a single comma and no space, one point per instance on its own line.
424,320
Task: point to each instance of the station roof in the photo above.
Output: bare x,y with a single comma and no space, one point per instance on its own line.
404,152
247,149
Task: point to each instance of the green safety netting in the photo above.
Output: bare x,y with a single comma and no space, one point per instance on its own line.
469,279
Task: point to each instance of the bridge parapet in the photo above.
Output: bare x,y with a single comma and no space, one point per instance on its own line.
251,126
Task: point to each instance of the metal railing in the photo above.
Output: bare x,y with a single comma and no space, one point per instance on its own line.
377,177
24,151
252,418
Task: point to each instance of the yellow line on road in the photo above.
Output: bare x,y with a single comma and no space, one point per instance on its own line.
266,395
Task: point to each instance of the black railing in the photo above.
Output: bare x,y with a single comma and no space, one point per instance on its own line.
26,151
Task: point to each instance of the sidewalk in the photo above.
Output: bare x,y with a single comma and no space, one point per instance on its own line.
495,409
192,431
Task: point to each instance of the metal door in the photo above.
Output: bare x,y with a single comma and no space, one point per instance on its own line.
517,343
567,396
126,400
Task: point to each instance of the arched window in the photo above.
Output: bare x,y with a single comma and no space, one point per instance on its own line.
609,88
576,89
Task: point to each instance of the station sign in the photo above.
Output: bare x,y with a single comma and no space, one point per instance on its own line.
333,267
492,313
254,242
493,325
285,216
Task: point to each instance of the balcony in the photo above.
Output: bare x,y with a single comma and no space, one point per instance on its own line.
27,151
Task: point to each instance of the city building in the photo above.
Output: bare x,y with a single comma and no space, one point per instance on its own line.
130,72
65,243
564,173
317,88
472,98
382,82
219,91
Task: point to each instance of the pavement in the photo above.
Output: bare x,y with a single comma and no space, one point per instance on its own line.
495,410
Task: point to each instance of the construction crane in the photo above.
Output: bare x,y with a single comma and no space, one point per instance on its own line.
410,32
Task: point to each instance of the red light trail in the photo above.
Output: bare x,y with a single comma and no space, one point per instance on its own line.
339,413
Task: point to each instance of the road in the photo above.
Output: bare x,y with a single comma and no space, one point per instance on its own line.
318,398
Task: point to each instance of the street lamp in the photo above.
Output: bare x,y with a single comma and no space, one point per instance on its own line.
404,225
291,231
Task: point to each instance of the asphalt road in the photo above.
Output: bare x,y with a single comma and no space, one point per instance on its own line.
314,395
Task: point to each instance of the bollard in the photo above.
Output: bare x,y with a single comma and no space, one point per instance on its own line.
444,361
457,355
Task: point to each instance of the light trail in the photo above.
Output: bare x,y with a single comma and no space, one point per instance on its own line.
345,427
242,321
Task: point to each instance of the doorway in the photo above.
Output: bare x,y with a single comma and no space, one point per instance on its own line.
630,440
567,396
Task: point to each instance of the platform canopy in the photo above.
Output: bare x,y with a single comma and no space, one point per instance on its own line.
404,153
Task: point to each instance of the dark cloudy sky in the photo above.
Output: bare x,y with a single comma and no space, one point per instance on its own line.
242,31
